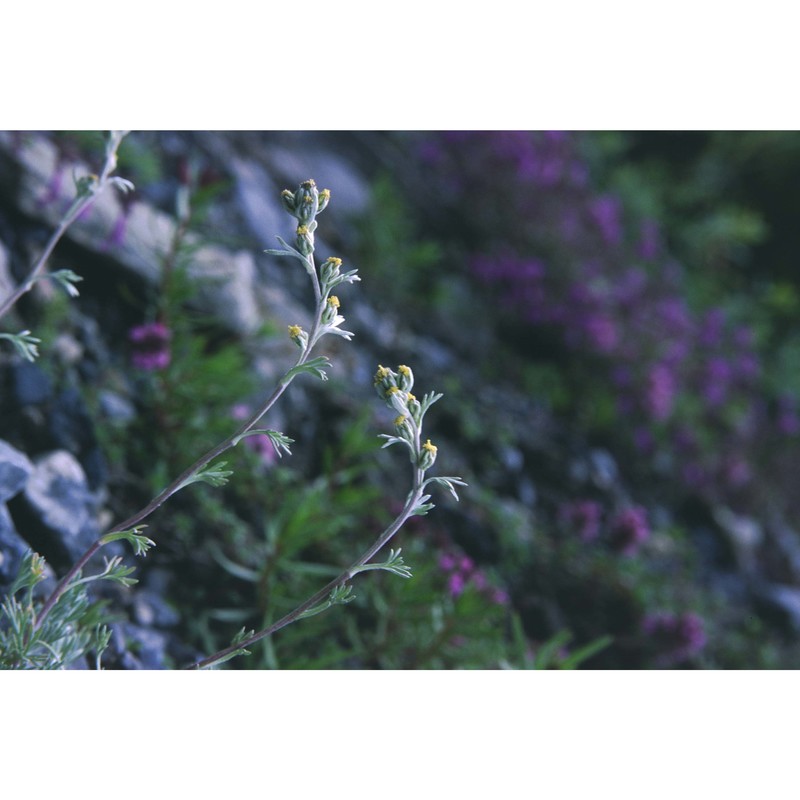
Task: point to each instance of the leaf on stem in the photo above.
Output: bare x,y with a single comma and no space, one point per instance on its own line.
31,572
288,250
24,343
313,367
279,440
448,482
393,564
213,474
67,278
422,507
141,544
339,596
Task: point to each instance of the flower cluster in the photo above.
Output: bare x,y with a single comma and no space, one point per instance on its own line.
567,260
394,388
583,516
461,571
625,531
150,346
675,638
629,529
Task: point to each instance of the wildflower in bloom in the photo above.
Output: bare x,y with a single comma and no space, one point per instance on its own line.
605,212
150,346
461,571
601,332
298,335
499,597
674,637
455,584
447,562
427,455
661,391
629,529
584,517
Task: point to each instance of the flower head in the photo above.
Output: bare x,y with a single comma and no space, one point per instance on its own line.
674,637
150,346
629,529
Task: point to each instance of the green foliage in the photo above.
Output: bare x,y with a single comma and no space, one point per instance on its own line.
401,262
74,628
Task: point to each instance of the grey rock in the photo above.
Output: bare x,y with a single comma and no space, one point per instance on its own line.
56,514
229,277
135,648
116,408
603,469
72,428
259,199
226,285
15,469
151,610
744,534
785,601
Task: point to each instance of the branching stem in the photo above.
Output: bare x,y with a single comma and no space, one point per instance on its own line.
198,465
324,592
72,213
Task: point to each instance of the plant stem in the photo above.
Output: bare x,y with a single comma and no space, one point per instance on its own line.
35,273
323,593
180,481
72,213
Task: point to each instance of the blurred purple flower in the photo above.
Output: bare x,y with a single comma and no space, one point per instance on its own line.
629,529
500,597
605,212
711,329
447,562
601,332
455,584
660,393
737,472
150,346
649,240
584,516
674,637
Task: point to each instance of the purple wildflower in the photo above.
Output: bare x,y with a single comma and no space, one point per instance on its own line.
455,584
602,332
499,597
605,212
584,517
649,240
150,349
629,529
675,637
447,562
661,391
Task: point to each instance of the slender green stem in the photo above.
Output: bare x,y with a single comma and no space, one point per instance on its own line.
198,465
74,210
72,213
324,592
